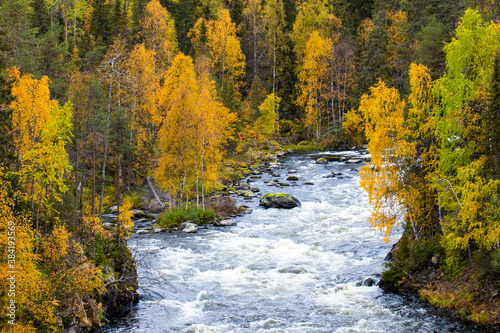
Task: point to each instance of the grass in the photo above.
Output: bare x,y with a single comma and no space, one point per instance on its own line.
174,217
305,147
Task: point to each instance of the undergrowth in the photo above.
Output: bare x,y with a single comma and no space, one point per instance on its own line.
174,217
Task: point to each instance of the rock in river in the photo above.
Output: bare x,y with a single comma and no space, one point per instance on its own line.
249,194
224,223
189,227
279,200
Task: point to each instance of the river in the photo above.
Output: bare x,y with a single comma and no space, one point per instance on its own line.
298,270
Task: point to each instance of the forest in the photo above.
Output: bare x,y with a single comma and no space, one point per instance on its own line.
98,97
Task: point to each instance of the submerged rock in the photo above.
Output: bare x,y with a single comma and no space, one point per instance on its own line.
279,200
292,178
333,174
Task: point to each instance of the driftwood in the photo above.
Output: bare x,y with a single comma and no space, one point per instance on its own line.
150,185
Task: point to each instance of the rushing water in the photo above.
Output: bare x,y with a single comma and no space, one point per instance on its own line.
298,270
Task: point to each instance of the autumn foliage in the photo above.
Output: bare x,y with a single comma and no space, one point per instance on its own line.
428,168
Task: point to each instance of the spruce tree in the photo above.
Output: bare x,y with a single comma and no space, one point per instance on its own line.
40,17
491,122
100,23
374,63
6,147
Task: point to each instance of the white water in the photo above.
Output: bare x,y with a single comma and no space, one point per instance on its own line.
293,270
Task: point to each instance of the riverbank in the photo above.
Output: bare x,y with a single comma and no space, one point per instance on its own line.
309,269
419,269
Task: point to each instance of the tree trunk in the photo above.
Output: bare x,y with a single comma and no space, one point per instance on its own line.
106,135
77,187
93,170
66,21
276,111
74,22
151,188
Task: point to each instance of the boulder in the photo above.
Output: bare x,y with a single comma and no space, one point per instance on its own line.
157,230
321,160
143,231
189,227
224,223
271,183
255,189
245,210
333,174
308,183
354,161
113,209
279,200
284,184
292,171
138,213
292,178
249,194
245,186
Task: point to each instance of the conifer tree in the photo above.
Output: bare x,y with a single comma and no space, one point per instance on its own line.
100,21
491,122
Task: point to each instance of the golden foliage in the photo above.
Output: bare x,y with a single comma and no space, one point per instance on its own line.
313,78
354,128
41,130
364,30
195,127
391,152
228,60
158,33
125,222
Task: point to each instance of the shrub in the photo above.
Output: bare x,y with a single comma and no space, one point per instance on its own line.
174,217
201,216
354,128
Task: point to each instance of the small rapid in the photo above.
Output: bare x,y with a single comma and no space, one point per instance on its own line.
314,268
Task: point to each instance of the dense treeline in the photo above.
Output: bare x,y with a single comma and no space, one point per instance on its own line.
97,96
435,171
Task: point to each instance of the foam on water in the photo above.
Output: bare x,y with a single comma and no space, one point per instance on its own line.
295,270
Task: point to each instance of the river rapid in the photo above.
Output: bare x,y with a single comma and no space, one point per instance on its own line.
308,269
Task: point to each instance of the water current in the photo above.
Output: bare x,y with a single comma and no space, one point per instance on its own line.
298,270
